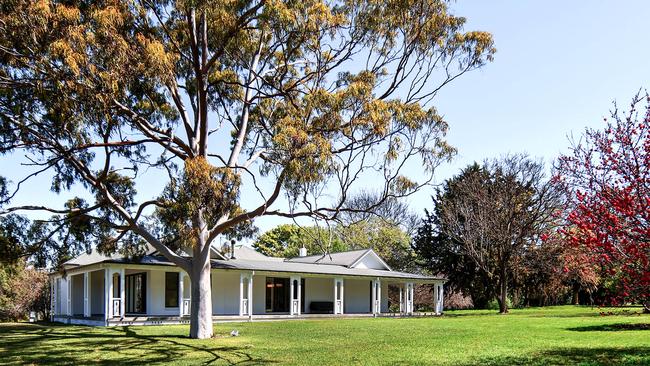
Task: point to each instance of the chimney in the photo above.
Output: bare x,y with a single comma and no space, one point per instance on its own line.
302,252
232,249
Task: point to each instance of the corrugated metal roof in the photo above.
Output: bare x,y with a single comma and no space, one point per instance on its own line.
95,257
340,258
147,259
311,268
247,261
244,252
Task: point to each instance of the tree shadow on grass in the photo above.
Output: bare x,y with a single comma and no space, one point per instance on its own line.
584,311
606,356
79,345
612,327
515,313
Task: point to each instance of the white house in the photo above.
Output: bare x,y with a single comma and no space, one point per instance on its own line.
98,290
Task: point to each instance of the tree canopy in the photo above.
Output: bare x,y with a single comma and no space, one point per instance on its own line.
606,178
279,99
384,237
484,222
286,240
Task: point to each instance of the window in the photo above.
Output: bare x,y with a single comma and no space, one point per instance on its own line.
338,290
295,289
171,289
116,286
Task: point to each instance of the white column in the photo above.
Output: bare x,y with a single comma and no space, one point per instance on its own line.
410,297
114,302
250,295
435,298
243,294
69,295
295,291
122,292
111,290
295,288
338,296
86,294
402,308
181,292
376,296
107,294
407,293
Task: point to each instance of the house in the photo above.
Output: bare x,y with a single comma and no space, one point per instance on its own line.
94,289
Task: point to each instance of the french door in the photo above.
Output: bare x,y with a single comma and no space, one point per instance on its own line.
136,293
277,295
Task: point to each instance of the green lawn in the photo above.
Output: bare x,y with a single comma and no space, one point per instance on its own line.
539,336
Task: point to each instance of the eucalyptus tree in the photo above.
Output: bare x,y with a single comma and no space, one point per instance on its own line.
291,102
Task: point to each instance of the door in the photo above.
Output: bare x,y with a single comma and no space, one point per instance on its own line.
136,293
277,295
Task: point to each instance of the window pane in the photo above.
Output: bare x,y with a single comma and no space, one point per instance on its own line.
295,289
116,285
171,289
338,290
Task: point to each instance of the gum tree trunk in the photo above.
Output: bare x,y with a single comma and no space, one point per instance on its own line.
201,308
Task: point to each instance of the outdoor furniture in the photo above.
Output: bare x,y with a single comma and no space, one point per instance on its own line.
322,307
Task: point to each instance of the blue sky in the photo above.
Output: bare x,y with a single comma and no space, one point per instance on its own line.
559,66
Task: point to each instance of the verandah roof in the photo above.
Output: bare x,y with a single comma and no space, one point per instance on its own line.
277,266
327,269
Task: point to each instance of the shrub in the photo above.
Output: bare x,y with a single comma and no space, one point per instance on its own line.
22,289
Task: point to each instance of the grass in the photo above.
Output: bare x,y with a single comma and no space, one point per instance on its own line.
539,336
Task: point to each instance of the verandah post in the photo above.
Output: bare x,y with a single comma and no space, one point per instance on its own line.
122,292
108,291
338,296
86,294
181,290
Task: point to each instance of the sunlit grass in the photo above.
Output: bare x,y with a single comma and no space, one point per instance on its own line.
538,336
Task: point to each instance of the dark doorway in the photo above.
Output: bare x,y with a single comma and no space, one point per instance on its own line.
277,295
136,293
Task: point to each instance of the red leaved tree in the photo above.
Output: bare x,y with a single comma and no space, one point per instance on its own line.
607,181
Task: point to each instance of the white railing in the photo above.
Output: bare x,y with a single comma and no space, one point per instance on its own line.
244,307
117,306
377,308
338,307
185,310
